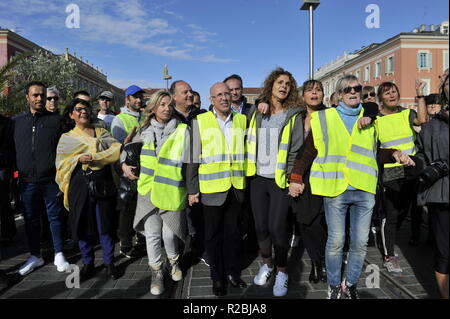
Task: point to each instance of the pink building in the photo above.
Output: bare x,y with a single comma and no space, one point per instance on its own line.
421,54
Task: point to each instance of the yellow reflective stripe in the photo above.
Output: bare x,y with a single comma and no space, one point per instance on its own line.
324,127
147,171
238,157
362,151
362,168
169,162
284,146
148,152
168,181
282,166
399,141
215,158
213,176
330,159
327,175
238,173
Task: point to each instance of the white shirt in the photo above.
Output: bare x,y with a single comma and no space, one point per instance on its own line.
226,127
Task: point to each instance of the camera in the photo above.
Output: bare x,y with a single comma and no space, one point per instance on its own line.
433,172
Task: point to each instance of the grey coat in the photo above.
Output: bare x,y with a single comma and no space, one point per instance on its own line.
433,145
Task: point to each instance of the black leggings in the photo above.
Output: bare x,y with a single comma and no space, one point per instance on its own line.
270,206
440,227
397,203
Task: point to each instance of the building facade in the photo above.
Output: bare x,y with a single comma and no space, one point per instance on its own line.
87,78
421,54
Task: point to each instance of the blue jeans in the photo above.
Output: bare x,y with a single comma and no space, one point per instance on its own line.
360,204
29,196
106,241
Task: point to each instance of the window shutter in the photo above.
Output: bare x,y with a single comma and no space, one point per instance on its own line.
430,60
418,60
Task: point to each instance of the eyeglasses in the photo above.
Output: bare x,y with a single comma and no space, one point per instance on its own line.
365,96
79,109
49,98
348,89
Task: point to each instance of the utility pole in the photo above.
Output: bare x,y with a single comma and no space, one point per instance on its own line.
311,5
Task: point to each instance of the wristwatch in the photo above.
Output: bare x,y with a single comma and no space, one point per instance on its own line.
420,96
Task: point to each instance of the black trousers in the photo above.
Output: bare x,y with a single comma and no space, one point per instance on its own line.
7,221
315,238
126,219
270,206
222,237
440,227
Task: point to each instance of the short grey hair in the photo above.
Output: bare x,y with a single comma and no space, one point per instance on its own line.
53,90
344,82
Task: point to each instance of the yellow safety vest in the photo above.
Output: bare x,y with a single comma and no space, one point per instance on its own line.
219,167
342,159
395,131
283,149
162,174
129,121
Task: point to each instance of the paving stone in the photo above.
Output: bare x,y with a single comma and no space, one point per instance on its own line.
132,283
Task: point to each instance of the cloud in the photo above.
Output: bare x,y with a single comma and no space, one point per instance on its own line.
132,23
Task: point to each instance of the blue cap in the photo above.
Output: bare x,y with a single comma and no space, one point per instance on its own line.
133,90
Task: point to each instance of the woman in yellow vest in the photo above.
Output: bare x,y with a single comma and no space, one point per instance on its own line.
83,173
160,212
395,130
273,141
344,171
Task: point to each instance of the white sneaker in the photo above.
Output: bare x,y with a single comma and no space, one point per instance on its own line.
61,263
263,275
31,263
175,271
281,284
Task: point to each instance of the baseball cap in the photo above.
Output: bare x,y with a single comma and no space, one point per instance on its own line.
133,90
107,94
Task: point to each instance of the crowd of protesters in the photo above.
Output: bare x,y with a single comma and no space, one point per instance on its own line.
167,174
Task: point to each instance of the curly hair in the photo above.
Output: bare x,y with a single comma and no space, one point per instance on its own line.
152,106
266,95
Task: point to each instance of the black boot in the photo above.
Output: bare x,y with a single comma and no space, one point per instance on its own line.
323,271
314,275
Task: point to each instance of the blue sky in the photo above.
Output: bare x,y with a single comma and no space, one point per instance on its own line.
203,41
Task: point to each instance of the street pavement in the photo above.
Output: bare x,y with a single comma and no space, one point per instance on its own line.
416,281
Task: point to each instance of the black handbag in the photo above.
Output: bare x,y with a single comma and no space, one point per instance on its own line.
99,187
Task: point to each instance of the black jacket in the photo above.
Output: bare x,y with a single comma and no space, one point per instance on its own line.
34,139
193,112
5,156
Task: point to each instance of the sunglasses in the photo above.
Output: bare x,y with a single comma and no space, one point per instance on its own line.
348,89
105,98
365,96
52,98
79,109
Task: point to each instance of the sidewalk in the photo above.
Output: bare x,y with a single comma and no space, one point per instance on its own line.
417,280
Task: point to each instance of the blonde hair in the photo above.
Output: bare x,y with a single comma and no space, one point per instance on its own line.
153,104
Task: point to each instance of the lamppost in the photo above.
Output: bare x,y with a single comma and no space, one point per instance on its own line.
311,5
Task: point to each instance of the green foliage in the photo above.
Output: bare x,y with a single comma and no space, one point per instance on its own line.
40,65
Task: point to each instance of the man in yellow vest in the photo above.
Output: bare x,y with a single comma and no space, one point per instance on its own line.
121,127
216,177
